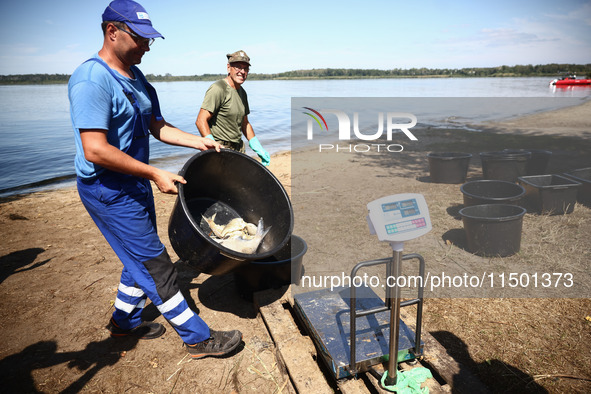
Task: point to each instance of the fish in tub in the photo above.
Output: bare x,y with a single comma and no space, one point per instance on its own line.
237,234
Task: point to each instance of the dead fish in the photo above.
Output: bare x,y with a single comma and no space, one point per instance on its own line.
216,229
245,243
251,229
233,228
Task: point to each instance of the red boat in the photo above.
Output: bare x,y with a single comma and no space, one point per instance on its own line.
570,81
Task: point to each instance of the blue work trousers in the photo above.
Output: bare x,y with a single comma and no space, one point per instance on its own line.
122,207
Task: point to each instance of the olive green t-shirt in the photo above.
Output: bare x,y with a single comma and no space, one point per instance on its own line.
228,106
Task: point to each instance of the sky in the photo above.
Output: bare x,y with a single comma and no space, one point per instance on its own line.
55,36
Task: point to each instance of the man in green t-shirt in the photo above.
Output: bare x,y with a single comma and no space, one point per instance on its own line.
223,116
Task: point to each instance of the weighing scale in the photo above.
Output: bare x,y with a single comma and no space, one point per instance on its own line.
351,326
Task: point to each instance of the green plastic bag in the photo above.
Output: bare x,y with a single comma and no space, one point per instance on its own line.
409,382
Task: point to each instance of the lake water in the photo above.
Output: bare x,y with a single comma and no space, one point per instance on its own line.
36,136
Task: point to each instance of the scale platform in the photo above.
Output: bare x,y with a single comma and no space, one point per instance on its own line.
326,316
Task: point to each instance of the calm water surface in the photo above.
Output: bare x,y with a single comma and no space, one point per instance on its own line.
36,136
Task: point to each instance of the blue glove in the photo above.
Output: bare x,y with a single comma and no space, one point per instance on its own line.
210,137
256,146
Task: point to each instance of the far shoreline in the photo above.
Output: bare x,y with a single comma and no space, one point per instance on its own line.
550,71
309,78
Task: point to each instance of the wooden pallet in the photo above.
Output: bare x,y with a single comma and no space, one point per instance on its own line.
297,352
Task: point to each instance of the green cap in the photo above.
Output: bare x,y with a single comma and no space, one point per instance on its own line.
238,56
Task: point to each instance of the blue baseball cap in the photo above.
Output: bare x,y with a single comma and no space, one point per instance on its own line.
133,14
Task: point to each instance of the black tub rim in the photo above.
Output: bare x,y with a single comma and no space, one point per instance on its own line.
519,212
501,155
570,183
292,258
572,175
491,181
534,152
223,250
449,155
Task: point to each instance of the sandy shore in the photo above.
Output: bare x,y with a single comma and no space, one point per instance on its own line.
573,121
58,276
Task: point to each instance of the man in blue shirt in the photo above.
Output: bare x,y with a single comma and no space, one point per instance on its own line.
114,110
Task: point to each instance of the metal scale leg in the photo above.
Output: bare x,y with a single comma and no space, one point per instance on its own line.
394,321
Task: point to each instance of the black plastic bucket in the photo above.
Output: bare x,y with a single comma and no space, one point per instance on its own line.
229,184
583,176
283,268
491,192
550,194
504,166
493,229
538,161
448,167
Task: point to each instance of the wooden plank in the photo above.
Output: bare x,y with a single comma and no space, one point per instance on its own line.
284,384
352,386
432,384
457,376
297,352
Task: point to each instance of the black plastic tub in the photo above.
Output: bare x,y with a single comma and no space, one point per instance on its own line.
491,192
283,268
583,176
550,194
229,184
504,166
538,161
493,229
448,167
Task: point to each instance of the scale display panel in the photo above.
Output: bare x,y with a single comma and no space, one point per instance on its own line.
400,217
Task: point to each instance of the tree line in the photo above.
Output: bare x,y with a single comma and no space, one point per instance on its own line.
545,70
